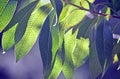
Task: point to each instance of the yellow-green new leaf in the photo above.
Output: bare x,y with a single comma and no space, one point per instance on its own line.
57,67
71,15
34,25
8,38
70,43
81,51
7,14
3,4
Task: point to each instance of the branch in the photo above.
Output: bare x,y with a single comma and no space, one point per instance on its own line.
95,12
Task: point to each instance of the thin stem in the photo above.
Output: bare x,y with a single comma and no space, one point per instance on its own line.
95,12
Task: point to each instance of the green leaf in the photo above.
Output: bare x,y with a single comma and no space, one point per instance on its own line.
32,31
18,17
94,64
55,40
81,52
70,43
21,18
7,14
57,6
85,27
108,13
3,4
8,38
25,3
24,20
57,67
71,15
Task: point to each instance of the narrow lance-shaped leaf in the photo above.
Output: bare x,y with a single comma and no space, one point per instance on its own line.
45,45
57,51
8,38
70,43
32,31
94,64
59,60
57,40
57,5
7,14
104,44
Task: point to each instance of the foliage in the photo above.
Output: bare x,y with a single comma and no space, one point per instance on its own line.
69,32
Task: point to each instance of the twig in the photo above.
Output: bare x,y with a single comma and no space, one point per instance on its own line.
95,12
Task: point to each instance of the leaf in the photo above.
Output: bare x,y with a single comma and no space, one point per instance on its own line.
8,38
57,67
32,31
23,22
57,4
55,40
57,52
70,43
23,3
108,14
54,23
94,64
85,27
81,52
104,43
45,45
10,33
71,15
21,18
7,14
3,4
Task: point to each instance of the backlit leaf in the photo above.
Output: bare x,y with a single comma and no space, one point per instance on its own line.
32,31
81,52
8,38
3,4
57,67
70,43
7,14
21,18
71,15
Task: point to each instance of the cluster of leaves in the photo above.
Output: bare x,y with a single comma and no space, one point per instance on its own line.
69,31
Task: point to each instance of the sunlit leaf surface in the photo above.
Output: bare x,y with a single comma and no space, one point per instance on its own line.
34,25
7,13
8,38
